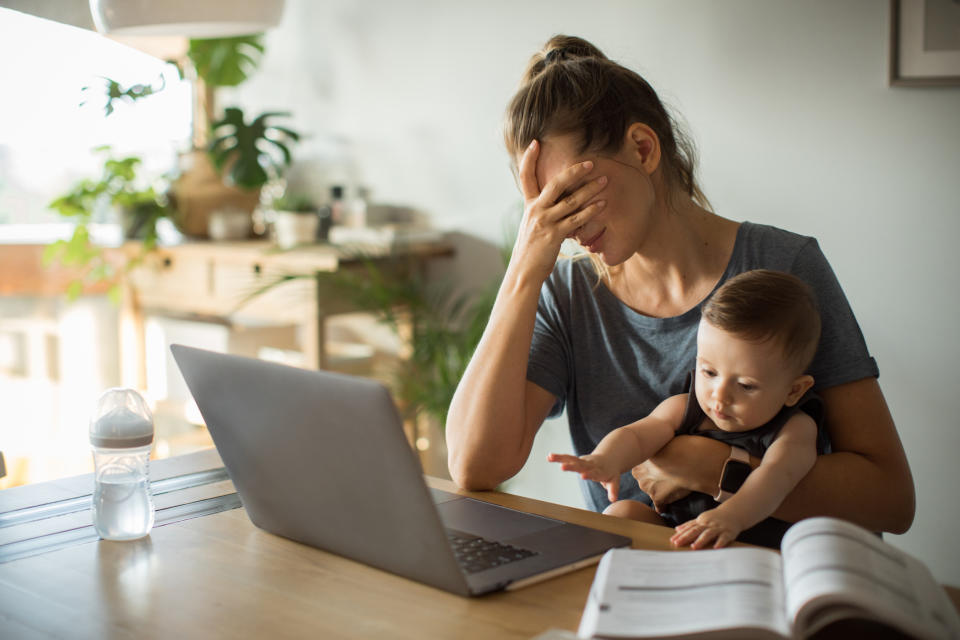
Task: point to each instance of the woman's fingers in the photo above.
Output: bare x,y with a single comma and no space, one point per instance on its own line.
527,171
569,225
565,184
575,200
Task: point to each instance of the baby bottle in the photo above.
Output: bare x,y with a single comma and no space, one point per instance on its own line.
121,432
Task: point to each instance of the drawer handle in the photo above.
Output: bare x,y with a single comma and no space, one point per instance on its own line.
257,269
167,262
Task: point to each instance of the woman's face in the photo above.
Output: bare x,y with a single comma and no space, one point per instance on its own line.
617,232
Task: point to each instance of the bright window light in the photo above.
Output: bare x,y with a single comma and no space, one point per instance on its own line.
46,137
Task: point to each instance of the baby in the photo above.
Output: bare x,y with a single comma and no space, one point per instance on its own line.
757,336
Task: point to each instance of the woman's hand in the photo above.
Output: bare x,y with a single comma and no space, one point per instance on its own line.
591,467
676,469
553,214
662,487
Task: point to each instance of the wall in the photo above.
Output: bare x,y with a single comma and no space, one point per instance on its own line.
787,100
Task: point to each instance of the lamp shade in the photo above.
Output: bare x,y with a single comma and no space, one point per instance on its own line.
191,18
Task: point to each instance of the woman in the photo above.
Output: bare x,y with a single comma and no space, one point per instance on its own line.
600,160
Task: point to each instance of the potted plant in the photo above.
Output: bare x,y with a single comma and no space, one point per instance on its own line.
229,172
248,153
139,204
298,220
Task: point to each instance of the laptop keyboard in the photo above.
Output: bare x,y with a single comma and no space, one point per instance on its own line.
479,554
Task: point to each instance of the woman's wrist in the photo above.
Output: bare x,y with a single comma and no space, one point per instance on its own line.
695,461
520,281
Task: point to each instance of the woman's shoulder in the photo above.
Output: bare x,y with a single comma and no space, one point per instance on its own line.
572,274
769,236
763,246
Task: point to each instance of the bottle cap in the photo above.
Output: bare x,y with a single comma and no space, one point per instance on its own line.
121,420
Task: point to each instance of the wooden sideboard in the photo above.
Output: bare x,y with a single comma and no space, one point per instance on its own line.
239,283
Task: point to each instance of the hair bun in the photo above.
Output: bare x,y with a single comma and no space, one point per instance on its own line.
555,55
558,49
561,47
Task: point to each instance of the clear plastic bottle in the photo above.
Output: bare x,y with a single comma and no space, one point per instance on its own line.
121,434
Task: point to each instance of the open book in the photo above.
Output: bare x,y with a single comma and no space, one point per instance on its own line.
830,575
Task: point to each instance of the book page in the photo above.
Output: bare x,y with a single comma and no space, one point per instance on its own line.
833,566
647,594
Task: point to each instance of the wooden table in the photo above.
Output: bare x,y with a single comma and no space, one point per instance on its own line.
218,576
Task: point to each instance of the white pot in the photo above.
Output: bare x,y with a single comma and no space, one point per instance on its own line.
291,228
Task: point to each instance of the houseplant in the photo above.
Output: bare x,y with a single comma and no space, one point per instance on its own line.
247,153
298,220
229,172
441,324
139,203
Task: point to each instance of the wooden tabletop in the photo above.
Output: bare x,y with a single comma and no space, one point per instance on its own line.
217,575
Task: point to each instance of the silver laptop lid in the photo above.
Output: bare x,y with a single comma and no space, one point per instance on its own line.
321,458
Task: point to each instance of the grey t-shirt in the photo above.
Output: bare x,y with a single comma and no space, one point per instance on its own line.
609,365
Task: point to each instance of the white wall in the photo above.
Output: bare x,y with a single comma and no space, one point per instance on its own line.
797,128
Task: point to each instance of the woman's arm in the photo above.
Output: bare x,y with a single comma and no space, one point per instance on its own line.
496,412
866,479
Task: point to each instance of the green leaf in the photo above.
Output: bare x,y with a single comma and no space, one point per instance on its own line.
74,290
119,185
53,251
249,152
226,62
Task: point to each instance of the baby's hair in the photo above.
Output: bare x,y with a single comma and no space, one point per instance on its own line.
763,305
570,86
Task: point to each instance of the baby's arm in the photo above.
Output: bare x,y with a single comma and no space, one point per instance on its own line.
789,457
623,448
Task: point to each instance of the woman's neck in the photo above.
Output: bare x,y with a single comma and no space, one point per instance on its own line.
681,260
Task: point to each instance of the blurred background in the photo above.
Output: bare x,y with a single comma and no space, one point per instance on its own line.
400,105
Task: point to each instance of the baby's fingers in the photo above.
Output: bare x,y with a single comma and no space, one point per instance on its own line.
560,457
686,533
571,463
613,490
723,539
706,539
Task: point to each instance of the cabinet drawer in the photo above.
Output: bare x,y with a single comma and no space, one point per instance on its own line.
167,280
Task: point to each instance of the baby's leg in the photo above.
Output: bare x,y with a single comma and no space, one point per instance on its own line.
634,510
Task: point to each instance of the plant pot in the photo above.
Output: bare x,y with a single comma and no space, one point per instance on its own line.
200,190
291,228
140,222
229,224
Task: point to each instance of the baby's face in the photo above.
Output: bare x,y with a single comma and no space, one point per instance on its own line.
740,384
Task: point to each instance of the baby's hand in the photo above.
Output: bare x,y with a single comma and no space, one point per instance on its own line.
591,467
714,526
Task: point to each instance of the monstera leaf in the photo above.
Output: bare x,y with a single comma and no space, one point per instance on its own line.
250,152
226,62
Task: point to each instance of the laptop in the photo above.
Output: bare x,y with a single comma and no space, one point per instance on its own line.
321,458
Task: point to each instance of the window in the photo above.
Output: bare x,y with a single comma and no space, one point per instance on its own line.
47,138
55,358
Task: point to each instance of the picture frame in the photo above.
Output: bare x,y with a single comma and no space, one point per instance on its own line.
924,43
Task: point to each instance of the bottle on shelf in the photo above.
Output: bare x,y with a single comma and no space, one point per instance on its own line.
337,205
